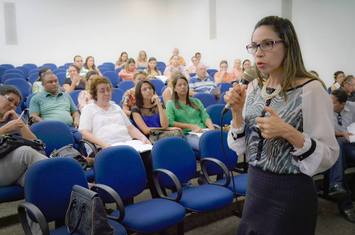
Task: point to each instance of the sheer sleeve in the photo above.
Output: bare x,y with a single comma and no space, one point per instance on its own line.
320,150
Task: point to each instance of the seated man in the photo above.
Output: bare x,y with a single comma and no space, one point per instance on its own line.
53,104
13,166
203,83
78,62
344,115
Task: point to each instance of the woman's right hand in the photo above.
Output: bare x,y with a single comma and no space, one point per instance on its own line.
195,128
13,125
236,98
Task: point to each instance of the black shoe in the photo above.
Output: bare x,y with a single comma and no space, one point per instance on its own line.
337,192
349,215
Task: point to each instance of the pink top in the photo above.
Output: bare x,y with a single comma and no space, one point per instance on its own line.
126,75
220,77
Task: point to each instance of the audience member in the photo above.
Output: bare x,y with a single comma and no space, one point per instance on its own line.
223,75
78,62
129,70
198,57
142,60
246,64
122,60
181,60
37,85
237,69
89,65
13,166
203,83
339,77
152,70
75,81
84,96
175,67
148,113
103,122
129,97
349,87
344,115
193,66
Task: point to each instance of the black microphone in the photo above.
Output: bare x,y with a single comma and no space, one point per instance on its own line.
248,76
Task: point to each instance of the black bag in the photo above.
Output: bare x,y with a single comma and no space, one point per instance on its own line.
157,134
9,143
86,213
70,151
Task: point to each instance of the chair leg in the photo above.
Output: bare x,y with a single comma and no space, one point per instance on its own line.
180,228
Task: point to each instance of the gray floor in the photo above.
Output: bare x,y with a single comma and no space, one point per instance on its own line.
221,223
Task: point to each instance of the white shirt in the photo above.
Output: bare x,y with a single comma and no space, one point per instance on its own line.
108,125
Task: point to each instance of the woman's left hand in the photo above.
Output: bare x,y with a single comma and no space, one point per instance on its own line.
271,126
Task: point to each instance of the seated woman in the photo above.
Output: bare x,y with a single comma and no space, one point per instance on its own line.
75,81
129,97
223,75
148,113
142,60
103,122
122,60
89,65
37,85
13,166
175,67
152,70
129,70
84,97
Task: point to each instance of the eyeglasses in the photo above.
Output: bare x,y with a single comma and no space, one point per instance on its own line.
104,90
266,45
11,100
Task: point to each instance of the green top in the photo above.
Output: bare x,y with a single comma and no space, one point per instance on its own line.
187,114
49,107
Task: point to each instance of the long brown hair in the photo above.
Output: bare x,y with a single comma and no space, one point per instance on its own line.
293,65
138,92
175,96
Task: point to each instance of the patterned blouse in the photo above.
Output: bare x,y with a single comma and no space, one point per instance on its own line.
308,108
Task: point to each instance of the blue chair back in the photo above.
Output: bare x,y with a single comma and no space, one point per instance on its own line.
112,76
23,69
22,85
49,65
176,155
29,66
161,66
117,95
211,72
54,134
109,65
7,76
32,77
74,96
221,99
211,146
224,86
7,66
11,193
15,70
215,113
48,185
158,85
61,77
125,85
206,99
121,168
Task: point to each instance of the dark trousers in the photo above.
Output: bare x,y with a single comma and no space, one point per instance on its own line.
278,204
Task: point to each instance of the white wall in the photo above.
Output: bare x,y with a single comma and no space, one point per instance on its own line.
326,30
55,30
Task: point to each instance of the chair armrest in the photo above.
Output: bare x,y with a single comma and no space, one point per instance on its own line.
34,212
216,126
173,177
220,164
115,196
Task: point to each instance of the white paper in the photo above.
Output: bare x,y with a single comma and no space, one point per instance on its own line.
351,129
161,78
198,134
137,145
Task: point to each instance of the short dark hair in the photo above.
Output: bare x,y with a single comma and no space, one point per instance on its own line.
337,73
93,86
74,66
7,89
42,71
340,95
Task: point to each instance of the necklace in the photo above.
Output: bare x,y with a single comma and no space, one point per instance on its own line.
266,96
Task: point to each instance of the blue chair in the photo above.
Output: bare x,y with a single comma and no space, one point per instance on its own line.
7,66
74,96
211,147
215,113
224,86
32,77
33,71
112,76
22,85
11,193
221,99
117,95
206,99
174,165
29,66
49,65
211,72
122,169
61,77
158,85
48,186
16,70
7,76
104,68
109,65
2,71
161,66
125,85
118,70
23,69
